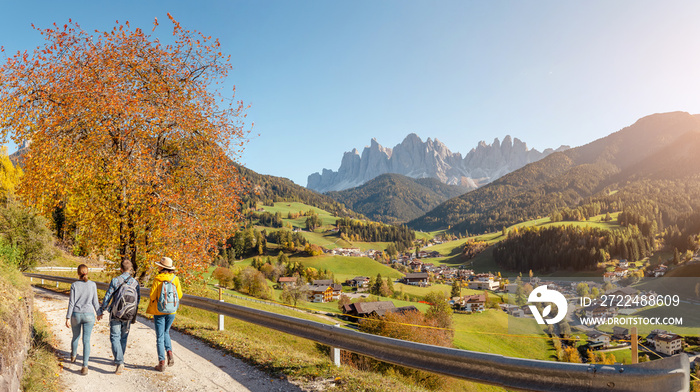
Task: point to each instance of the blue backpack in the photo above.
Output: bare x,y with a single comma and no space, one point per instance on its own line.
168,301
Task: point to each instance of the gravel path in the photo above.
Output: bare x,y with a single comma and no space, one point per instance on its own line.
198,367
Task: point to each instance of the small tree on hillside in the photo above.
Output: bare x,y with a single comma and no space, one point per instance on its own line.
252,282
439,310
342,301
456,289
298,292
390,286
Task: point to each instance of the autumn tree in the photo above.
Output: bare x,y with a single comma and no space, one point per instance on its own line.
440,310
292,294
131,138
456,289
252,282
9,175
342,301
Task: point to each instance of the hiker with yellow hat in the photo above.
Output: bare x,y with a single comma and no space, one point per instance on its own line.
165,299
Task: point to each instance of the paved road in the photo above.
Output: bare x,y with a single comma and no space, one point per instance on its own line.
198,367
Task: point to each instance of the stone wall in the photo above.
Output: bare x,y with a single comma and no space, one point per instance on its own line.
16,326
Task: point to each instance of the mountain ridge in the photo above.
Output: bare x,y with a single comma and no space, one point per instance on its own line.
564,179
430,159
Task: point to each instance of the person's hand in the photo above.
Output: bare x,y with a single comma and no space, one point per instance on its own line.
67,323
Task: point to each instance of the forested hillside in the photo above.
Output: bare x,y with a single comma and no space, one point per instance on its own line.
270,189
660,147
395,198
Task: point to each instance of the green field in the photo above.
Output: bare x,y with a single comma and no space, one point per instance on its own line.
349,267
327,219
422,291
327,239
623,356
489,332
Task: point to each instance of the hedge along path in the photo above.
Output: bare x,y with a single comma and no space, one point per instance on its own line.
198,367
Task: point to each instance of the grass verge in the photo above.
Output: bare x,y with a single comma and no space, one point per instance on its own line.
41,368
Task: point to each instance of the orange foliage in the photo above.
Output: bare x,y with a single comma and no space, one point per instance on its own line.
128,137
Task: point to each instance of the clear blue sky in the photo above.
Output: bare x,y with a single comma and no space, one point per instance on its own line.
324,77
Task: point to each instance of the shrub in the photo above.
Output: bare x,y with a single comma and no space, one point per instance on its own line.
27,232
224,275
252,282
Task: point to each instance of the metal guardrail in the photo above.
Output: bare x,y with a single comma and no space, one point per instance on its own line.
73,269
668,375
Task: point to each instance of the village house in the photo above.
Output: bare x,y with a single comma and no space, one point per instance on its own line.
474,303
597,311
623,264
510,288
660,270
319,293
668,343
352,252
484,282
287,281
514,310
416,265
609,277
598,340
465,273
359,282
416,279
336,287
620,333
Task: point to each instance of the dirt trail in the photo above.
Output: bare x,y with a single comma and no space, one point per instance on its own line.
198,367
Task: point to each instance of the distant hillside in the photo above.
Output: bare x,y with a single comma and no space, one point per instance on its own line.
394,198
660,147
430,159
269,189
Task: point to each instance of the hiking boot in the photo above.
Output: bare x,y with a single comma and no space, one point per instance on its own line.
171,358
83,371
119,369
161,366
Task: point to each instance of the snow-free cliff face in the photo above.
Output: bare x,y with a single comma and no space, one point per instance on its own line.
430,159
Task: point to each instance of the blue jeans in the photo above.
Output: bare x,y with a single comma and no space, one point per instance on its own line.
84,322
118,332
163,323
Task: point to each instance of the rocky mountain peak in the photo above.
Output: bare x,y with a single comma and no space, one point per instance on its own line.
430,159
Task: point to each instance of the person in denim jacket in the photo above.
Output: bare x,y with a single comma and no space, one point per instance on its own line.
118,329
